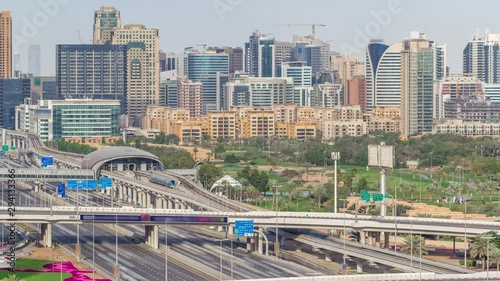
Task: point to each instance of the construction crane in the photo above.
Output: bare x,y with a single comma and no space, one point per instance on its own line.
312,25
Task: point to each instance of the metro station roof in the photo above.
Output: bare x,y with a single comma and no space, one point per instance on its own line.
114,153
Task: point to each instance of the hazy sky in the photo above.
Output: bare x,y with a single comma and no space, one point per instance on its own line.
182,23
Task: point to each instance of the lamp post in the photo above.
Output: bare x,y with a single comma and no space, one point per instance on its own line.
431,164
276,244
488,238
220,241
344,238
51,196
166,251
335,158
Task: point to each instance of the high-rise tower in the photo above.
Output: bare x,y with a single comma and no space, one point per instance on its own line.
106,20
5,44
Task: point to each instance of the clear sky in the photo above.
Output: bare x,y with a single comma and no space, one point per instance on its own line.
182,23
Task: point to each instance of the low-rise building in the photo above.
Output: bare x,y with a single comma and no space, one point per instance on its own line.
469,129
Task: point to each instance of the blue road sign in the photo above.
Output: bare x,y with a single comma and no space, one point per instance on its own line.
82,184
61,189
2,154
47,161
106,183
243,228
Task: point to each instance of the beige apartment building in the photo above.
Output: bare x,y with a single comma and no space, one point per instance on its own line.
143,61
5,44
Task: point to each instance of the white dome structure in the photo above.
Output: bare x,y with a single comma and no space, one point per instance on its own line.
220,185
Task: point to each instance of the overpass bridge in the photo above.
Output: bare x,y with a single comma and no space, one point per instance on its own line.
152,218
51,175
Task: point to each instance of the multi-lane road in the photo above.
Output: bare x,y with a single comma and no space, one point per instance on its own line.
138,261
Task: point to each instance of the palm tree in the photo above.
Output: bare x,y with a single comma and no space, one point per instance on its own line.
482,187
319,191
480,249
412,188
296,194
252,192
492,187
453,189
431,188
12,277
195,151
289,186
403,186
413,244
495,258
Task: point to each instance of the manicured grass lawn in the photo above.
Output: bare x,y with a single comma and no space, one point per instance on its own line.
34,276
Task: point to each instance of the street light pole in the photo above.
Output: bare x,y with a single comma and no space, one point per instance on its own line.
488,238
166,251
335,157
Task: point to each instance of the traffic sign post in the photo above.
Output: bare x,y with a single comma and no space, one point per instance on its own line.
47,161
106,183
61,190
244,228
82,184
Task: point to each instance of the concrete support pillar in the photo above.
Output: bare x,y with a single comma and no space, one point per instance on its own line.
46,233
362,237
386,239
220,228
230,230
37,187
152,236
249,244
170,204
260,243
455,246
376,236
359,266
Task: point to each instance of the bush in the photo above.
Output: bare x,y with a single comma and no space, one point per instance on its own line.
470,263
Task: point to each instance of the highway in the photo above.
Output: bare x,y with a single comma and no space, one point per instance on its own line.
231,205
186,241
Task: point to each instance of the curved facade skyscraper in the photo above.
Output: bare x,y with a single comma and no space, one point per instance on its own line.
383,75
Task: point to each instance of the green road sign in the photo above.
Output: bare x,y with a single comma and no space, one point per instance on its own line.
13,148
5,147
378,197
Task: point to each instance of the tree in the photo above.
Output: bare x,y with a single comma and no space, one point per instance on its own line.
413,244
412,187
290,173
482,188
495,258
403,186
431,188
172,139
160,138
319,191
479,249
218,149
296,195
252,192
209,173
195,151
259,180
362,183
231,159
